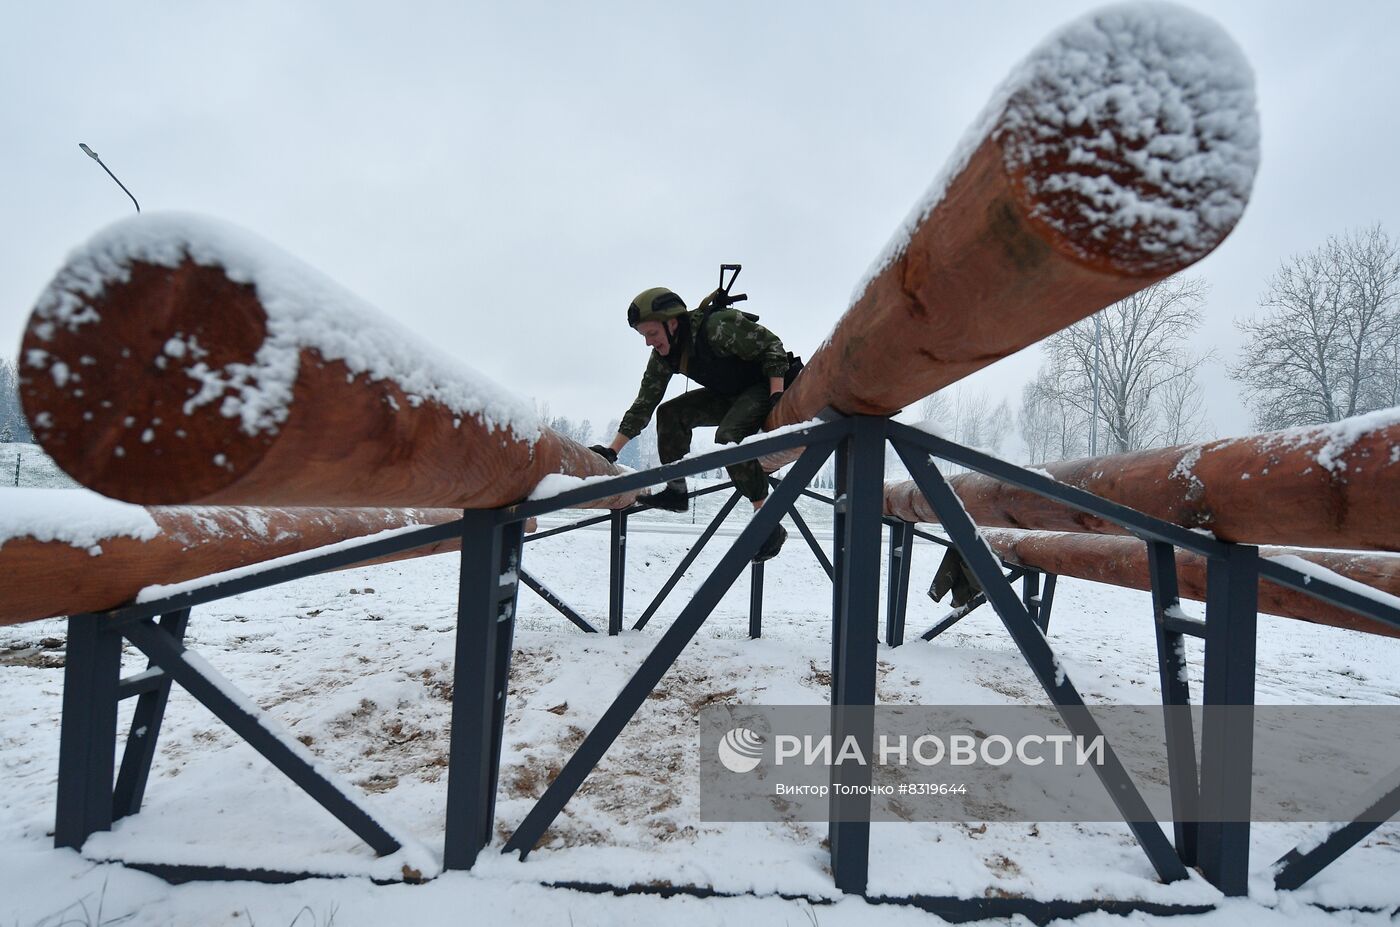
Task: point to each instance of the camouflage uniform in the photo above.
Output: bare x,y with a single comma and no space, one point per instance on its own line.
739,410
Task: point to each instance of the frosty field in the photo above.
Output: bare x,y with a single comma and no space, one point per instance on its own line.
357,665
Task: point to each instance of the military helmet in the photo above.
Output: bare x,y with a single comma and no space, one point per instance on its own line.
655,305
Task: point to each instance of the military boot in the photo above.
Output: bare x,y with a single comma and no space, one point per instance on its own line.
770,547
674,498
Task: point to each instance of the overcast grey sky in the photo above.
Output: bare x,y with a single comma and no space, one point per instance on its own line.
504,178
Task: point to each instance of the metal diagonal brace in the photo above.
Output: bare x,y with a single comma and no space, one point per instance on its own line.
258,730
688,559
558,604
1041,658
145,729
1296,867
664,655
807,534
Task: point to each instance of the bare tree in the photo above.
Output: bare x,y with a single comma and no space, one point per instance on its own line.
1181,411
935,407
1387,379
1144,348
966,417
997,426
1325,347
1051,426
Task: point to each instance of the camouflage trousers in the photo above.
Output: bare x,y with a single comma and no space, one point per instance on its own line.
737,417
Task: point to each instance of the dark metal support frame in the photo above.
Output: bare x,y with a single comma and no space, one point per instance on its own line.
491,573
672,642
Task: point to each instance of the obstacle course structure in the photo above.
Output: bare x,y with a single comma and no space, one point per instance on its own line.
175,361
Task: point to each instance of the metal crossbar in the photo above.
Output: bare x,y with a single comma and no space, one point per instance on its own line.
425,536
620,485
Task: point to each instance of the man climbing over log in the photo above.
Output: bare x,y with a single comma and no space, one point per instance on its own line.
742,369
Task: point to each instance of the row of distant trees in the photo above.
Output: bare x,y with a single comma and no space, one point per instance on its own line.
1324,345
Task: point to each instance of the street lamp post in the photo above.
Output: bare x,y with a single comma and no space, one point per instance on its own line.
92,154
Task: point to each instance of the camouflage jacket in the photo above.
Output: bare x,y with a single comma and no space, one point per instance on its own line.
730,334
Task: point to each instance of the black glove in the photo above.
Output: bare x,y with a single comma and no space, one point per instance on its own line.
606,453
774,399
954,576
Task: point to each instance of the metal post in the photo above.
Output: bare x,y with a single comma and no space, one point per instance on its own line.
1176,701
1047,600
1227,731
88,736
146,720
756,601
485,623
897,590
857,622
617,568
1030,594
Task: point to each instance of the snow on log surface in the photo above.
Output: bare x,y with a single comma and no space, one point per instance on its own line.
1123,562
64,551
1332,486
1121,150
176,359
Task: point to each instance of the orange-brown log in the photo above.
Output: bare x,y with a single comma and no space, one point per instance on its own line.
1332,486
170,363
1123,562
43,579
1061,206
196,381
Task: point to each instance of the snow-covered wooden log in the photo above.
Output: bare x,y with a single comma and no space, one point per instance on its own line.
69,551
1122,150
1328,486
179,360
1123,562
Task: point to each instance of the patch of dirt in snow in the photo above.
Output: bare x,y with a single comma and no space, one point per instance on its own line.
45,653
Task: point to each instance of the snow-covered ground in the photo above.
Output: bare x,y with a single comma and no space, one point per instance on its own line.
358,666
28,465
